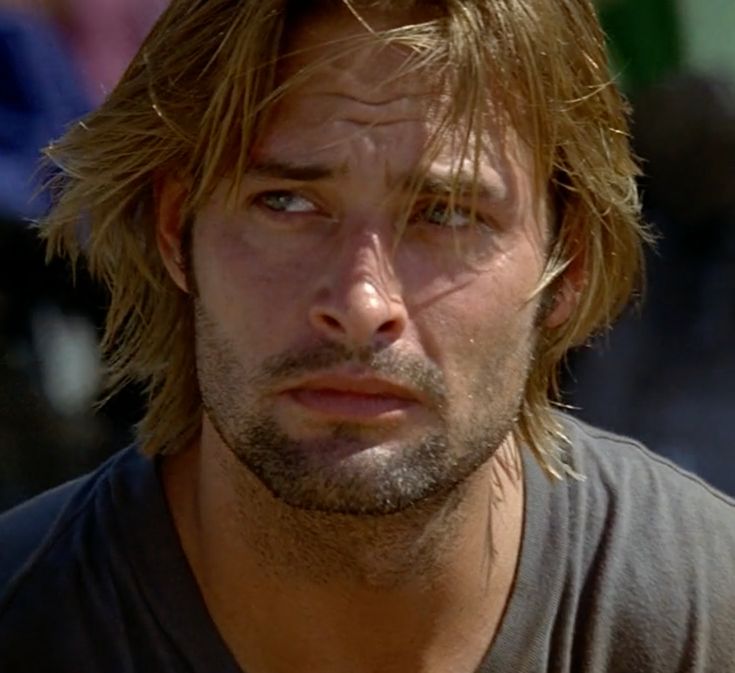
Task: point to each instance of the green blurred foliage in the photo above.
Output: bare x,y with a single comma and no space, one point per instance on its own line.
644,38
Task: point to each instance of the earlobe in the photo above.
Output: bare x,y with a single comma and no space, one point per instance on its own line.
170,194
566,297
564,301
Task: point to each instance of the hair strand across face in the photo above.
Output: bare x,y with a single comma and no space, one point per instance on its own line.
192,102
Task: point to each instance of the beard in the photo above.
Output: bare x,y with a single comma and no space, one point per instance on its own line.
350,468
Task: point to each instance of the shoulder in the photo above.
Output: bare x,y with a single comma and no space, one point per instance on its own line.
626,489
654,547
32,529
58,599
25,529
627,474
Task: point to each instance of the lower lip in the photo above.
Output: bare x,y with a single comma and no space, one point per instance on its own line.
349,405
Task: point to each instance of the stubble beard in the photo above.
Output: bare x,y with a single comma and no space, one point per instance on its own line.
362,478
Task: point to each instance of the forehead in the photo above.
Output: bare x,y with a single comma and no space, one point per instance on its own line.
336,28
335,53
340,79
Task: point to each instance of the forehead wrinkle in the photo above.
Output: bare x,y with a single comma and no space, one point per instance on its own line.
353,75
438,180
354,107
402,107
361,99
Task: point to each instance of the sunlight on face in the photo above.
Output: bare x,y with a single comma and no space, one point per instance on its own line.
349,368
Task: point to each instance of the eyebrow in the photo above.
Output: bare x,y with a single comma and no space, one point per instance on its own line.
462,184
431,184
287,170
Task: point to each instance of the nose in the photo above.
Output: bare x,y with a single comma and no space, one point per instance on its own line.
359,301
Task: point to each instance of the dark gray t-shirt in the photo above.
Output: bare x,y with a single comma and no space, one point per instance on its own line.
630,571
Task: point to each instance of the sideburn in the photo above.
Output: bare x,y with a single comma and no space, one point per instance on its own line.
187,255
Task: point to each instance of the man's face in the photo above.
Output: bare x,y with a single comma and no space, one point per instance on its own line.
351,365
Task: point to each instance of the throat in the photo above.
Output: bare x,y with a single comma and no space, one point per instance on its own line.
477,523
403,588
410,549
415,547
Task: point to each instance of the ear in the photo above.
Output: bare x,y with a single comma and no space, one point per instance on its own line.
170,194
568,289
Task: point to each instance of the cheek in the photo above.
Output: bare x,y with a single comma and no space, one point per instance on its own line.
467,298
226,263
497,269
485,355
239,285
476,320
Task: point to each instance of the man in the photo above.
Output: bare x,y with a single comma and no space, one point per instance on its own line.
347,245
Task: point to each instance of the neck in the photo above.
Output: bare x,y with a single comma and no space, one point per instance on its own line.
296,590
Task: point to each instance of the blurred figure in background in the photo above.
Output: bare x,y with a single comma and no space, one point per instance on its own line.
49,371
101,35
668,373
41,93
57,59
44,335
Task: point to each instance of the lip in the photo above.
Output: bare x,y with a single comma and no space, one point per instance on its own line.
346,397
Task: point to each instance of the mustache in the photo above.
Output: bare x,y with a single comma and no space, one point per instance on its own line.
410,371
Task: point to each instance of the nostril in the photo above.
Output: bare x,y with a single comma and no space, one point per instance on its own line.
331,322
389,327
356,318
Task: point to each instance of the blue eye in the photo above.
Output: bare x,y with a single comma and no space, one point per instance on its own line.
286,202
441,214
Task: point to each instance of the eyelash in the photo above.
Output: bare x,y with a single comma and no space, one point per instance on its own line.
260,199
418,217
450,210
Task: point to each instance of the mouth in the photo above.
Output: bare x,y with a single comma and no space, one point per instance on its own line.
350,397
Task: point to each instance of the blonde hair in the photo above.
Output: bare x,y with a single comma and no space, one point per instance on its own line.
191,103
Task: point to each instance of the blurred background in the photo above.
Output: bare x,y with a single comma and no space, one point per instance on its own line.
665,374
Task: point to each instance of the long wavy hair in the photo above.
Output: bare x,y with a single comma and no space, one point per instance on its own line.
192,102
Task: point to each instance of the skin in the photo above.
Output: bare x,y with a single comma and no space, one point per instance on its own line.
356,482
